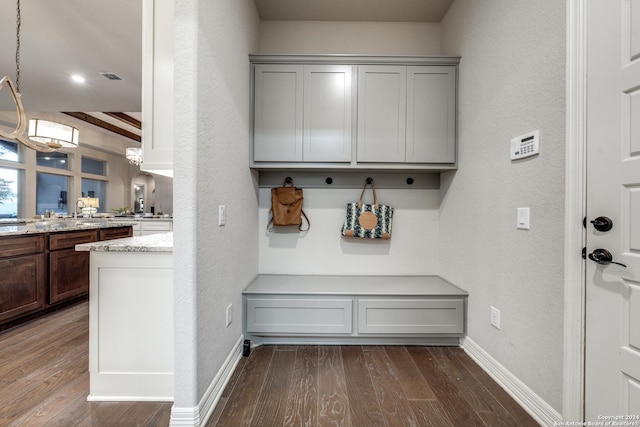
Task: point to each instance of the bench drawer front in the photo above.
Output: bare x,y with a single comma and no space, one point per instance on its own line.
410,316
299,316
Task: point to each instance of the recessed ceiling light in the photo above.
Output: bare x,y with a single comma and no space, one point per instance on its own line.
77,78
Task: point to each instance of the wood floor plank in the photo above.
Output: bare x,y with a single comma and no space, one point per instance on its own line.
430,413
239,410
272,401
395,407
457,409
333,402
414,385
228,390
302,400
363,403
520,416
472,391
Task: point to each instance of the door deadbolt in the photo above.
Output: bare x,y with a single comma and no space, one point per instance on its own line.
602,223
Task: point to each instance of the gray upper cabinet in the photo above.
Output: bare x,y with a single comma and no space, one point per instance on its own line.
406,114
302,113
382,105
431,114
339,112
277,135
327,113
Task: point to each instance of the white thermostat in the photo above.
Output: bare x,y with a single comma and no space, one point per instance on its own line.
525,145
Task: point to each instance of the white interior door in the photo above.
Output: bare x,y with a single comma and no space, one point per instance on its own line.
612,359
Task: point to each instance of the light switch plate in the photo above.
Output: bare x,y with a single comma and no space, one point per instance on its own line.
523,218
222,215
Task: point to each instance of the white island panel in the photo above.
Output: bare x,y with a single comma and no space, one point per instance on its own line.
131,326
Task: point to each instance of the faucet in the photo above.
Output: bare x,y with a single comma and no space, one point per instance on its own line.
75,212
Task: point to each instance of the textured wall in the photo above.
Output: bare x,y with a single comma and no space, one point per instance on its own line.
212,264
363,38
511,82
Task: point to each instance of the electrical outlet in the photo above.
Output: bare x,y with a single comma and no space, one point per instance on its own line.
495,317
229,314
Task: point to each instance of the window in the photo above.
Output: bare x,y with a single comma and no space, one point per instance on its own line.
8,193
8,150
51,193
95,167
95,188
53,160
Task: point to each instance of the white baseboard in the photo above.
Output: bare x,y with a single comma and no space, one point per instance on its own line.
198,416
540,410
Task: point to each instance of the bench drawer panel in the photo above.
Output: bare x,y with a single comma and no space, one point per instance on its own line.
299,316
410,316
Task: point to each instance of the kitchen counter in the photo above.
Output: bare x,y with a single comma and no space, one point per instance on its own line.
152,243
12,228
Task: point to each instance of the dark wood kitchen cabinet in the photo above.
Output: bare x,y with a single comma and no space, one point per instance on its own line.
68,269
23,284
116,233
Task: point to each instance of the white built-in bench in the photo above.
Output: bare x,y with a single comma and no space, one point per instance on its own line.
290,309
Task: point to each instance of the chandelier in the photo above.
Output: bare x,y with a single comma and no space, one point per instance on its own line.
42,135
134,155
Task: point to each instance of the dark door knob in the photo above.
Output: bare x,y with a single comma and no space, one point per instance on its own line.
603,257
602,223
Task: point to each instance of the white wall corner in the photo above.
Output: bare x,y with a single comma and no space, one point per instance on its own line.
540,410
199,415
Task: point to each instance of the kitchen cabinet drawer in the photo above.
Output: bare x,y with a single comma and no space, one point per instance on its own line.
21,245
24,289
70,239
115,233
410,316
299,316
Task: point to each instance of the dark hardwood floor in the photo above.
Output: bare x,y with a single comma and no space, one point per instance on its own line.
364,386
44,378
44,381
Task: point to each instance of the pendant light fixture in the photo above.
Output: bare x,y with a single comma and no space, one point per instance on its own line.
43,135
134,155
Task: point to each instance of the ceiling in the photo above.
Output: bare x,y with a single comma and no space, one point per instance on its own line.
89,37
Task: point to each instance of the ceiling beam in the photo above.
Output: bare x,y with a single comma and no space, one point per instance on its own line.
125,118
104,125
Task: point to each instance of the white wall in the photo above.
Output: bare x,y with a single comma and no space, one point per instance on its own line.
413,248
362,38
511,82
212,264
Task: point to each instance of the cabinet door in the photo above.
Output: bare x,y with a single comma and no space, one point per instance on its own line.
158,86
382,96
115,233
327,113
68,274
431,114
23,290
277,128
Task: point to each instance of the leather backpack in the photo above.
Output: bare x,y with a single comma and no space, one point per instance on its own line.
286,206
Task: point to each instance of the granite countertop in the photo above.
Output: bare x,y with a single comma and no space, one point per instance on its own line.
162,242
17,227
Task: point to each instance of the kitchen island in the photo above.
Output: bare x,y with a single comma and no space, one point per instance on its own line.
131,319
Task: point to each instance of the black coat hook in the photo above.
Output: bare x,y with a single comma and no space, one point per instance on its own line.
369,180
288,180
329,180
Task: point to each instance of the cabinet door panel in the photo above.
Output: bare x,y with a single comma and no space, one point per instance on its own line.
68,274
327,113
382,96
278,113
24,289
431,117
115,233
